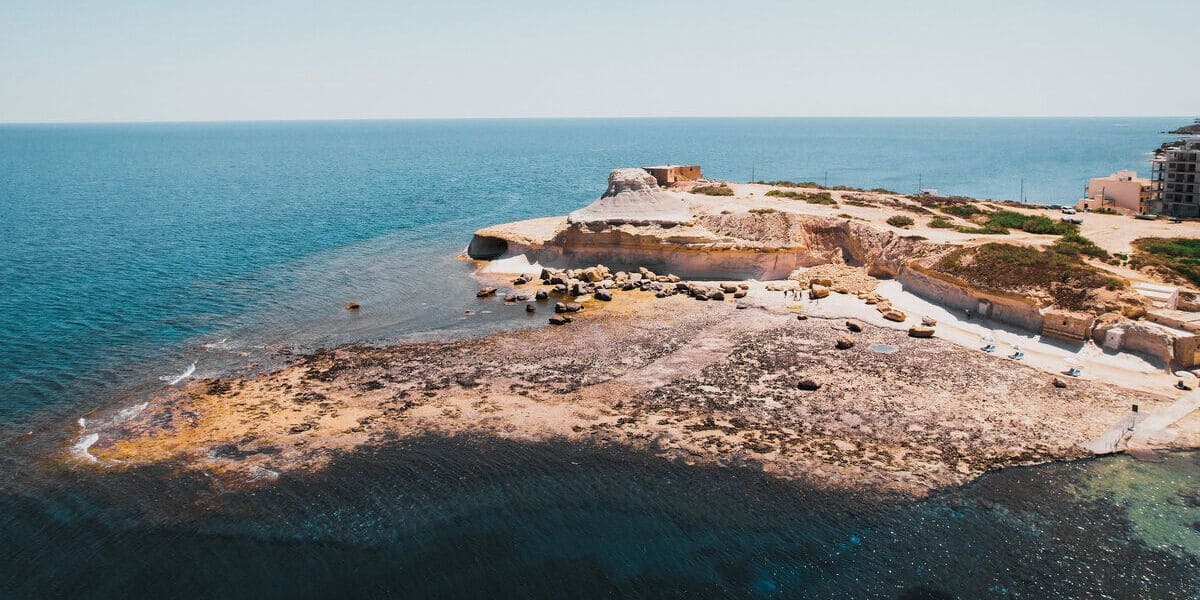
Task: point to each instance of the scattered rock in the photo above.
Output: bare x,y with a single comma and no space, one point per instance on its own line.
1059,383
801,317
854,325
844,342
530,308
520,281
510,298
603,294
729,288
895,315
352,306
715,294
808,385
485,292
920,331
301,428
928,321
741,306
818,291
741,293
541,295
559,320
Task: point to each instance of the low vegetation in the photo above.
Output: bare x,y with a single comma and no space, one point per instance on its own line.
1019,269
763,211
900,221
1072,242
815,185
811,198
713,190
1178,255
940,222
862,201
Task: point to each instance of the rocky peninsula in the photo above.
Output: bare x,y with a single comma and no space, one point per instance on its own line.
807,332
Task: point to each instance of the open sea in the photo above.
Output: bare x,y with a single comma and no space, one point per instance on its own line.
137,255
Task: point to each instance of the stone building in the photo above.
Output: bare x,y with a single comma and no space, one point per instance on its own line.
1175,190
1123,191
669,174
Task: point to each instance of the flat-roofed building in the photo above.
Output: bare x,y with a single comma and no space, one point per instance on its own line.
1174,171
1123,191
669,174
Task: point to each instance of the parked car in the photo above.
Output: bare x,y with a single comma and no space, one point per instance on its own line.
1068,210
1073,219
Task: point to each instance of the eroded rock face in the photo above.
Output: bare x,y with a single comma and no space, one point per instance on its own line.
633,197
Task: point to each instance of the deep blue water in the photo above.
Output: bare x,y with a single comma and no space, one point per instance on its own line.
129,252
125,248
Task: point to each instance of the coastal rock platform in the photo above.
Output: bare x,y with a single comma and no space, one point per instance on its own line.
698,382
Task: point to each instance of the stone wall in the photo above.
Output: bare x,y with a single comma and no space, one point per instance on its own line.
949,292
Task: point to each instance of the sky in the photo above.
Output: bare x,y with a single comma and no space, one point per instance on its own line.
160,60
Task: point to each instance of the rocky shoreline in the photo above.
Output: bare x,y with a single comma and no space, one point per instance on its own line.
698,382
817,377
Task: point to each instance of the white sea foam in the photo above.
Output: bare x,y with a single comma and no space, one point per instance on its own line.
223,344
174,379
80,449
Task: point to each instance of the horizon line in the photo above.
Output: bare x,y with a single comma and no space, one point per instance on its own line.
577,118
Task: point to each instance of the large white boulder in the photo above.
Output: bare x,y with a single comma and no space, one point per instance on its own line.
633,196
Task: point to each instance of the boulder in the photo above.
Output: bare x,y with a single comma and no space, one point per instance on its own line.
818,291
520,281
530,308
740,293
541,295
485,292
808,385
1059,383
854,325
743,286
844,342
895,315
920,331
729,288
559,320
510,297
928,321
841,289
352,306
603,294
715,294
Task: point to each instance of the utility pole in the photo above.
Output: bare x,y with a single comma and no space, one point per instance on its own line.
920,182
826,178
1022,190
751,174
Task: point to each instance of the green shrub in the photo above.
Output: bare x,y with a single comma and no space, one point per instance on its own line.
986,229
900,221
811,198
763,211
713,190
785,183
1071,241
1018,269
965,210
1114,283
1181,255
940,222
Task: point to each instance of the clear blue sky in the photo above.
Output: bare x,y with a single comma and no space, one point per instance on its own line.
215,60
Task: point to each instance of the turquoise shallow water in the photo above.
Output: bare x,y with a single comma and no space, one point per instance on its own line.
129,253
